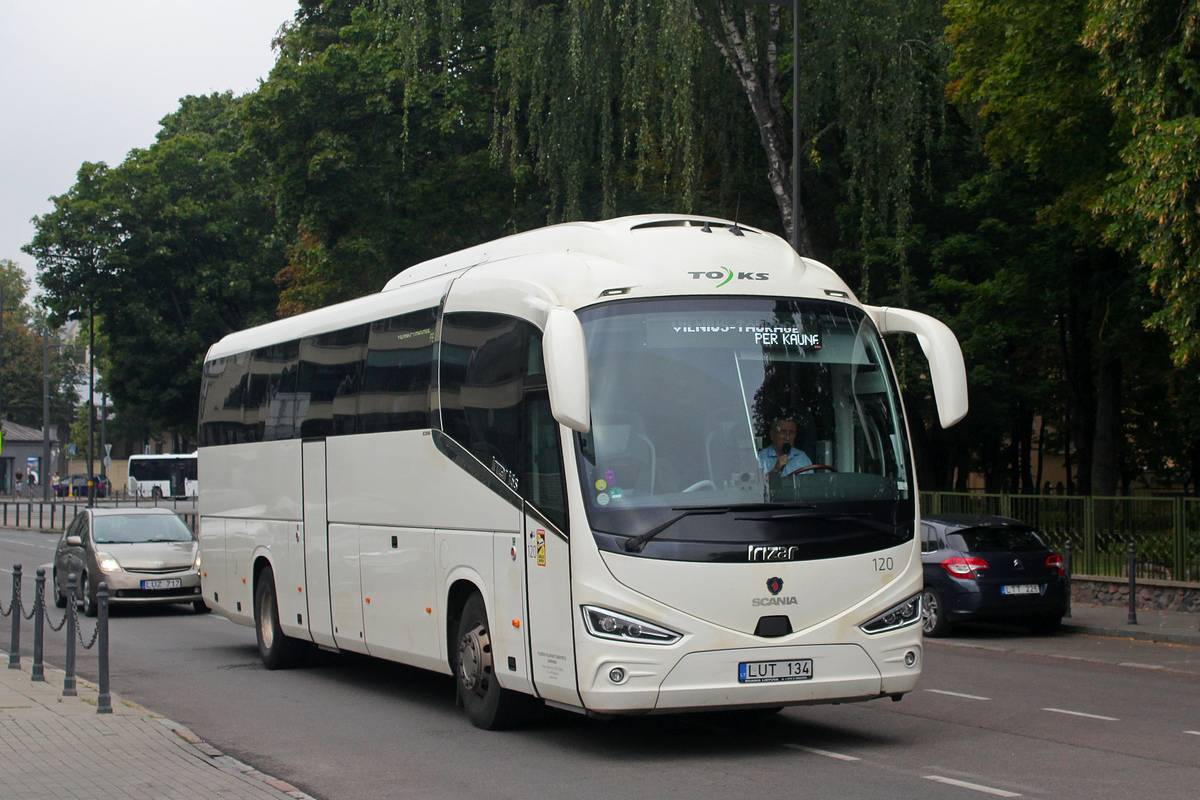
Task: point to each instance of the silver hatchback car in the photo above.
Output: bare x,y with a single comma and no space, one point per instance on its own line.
145,555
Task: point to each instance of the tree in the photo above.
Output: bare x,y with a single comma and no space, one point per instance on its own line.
171,250
1149,56
21,388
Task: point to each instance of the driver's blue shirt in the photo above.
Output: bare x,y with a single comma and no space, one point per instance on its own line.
797,459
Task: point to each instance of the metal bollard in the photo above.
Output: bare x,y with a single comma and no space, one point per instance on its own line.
104,699
1069,568
1132,585
69,678
14,651
39,621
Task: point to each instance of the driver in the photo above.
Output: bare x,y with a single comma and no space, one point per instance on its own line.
780,456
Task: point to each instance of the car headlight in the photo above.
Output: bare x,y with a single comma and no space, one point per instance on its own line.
107,563
196,562
898,616
611,625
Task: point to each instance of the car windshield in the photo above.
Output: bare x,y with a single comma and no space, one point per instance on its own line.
687,396
996,540
139,529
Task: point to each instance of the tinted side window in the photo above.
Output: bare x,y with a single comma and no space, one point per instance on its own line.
398,373
271,393
222,391
329,380
494,403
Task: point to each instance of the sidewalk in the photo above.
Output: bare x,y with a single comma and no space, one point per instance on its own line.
1169,627
58,748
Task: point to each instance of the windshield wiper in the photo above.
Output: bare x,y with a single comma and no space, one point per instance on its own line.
637,543
808,515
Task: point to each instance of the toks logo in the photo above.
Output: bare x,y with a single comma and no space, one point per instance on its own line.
725,275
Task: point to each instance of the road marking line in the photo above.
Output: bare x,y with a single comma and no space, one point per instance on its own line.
958,694
1081,714
977,787
1193,733
1139,666
818,752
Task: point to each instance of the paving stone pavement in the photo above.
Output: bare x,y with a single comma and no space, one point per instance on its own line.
58,748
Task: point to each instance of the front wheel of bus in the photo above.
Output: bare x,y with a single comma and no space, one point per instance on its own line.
488,705
277,650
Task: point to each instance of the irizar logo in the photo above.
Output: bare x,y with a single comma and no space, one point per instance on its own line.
725,275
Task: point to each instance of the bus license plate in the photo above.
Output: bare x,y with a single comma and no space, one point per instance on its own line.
797,669
1024,588
163,583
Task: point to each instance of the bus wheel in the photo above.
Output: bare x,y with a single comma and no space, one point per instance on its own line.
488,705
156,493
277,650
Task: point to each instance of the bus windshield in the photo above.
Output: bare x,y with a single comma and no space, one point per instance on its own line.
681,461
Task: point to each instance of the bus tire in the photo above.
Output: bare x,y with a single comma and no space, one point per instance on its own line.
276,649
487,703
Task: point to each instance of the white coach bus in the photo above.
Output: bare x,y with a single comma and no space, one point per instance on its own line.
166,475
541,465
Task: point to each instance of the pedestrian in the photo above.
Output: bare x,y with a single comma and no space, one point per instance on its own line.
20,487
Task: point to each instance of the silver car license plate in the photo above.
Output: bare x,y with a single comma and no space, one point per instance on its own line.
163,583
796,669
1023,588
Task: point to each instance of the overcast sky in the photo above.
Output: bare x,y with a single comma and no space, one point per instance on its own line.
89,80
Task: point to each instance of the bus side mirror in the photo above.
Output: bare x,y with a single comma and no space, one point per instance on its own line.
565,352
946,367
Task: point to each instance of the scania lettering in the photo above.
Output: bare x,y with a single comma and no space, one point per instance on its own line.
537,465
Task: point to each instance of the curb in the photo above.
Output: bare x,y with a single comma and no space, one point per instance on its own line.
229,763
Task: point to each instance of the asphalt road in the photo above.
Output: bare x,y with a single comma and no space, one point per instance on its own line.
998,714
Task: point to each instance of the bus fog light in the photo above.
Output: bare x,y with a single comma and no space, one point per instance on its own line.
607,624
617,675
910,658
900,615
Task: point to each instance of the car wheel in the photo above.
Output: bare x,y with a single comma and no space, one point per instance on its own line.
488,705
933,614
60,599
1045,625
90,606
277,650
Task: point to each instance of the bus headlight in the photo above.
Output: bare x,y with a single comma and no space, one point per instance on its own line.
898,616
607,624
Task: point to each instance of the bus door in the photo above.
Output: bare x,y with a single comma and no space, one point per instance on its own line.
551,632
314,534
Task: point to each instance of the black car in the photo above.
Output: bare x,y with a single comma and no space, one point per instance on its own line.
77,486
989,568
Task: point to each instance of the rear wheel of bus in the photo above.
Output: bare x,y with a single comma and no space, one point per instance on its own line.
277,650
488,705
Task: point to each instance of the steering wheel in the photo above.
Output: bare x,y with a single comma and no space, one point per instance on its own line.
812,467
704,484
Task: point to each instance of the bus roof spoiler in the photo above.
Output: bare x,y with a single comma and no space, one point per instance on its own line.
946,367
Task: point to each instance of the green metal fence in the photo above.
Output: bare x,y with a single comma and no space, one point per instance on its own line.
1165,530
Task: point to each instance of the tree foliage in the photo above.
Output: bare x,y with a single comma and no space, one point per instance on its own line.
1149,54
171,250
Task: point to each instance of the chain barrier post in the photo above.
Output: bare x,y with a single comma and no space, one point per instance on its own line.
1132,620
72,622
104,699
39,611
14,652
1070,568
